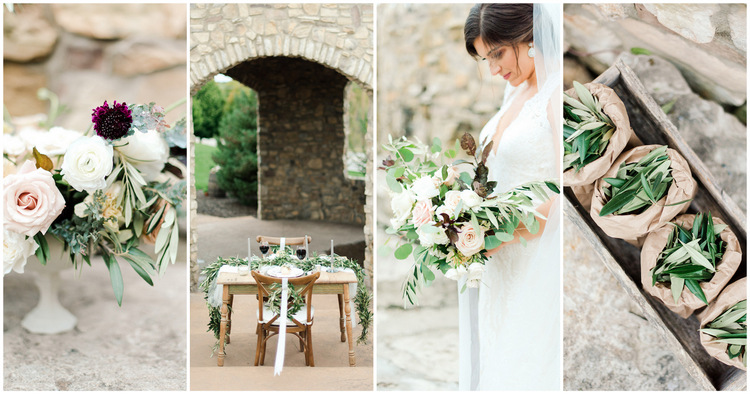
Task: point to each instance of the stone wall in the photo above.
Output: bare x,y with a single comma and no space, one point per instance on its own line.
301,141
707,42
88,53
337,36
428,85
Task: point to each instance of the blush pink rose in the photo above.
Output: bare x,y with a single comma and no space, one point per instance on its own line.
422,213
470,240
32,201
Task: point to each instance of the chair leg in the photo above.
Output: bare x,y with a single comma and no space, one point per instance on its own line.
263,348
341,317
301,344
309,346
257,347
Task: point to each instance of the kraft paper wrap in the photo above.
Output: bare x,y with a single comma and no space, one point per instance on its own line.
615,109
688,302
630,227
731,295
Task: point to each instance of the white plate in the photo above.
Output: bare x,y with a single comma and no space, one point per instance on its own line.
275,271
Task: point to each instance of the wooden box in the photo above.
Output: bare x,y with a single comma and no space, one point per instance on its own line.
680,335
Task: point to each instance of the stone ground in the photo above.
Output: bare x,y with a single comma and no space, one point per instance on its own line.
228,237
139,346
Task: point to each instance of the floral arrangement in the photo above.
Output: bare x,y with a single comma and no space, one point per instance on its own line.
447,218
96,192
362,300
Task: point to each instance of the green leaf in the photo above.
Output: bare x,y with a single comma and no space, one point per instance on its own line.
504,237
115,276
138,269
491,242
42,252
695,288
639,51
403,251
676,287
437,145
617,202
427,273
668,106
552,186
406,154
393,184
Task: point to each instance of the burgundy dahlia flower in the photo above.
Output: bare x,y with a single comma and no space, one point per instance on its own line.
112,123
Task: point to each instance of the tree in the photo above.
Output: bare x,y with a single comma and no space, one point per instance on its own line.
237,148
208,109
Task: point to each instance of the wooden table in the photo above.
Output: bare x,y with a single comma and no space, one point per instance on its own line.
328,283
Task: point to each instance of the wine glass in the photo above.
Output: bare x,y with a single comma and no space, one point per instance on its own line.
301,252
264,248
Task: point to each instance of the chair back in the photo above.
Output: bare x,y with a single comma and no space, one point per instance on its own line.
287,241
303,285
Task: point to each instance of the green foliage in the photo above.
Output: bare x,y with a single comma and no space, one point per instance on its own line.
208,109
690,256
586,129
237,148
639,185
204,162
731,328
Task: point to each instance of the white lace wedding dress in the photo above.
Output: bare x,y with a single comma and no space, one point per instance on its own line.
519,299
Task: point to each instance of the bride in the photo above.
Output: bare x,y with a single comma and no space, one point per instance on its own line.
510,327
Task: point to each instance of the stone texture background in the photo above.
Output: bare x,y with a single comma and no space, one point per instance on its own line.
428,86
257,44
707,43
698,65
90,53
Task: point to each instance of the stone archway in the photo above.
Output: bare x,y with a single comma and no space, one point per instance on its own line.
298,57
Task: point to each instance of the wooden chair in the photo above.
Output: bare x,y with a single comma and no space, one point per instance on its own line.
299,325
276,241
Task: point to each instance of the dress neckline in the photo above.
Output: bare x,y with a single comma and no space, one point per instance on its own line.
498,116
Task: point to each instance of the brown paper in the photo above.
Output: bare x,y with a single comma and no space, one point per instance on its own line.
731,295
630,227
615,109
688,302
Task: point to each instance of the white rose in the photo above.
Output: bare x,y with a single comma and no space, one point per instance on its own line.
150,150
54,142
13,146
444,210
452,198
471,199
16,251
401,203
451,274
431,237
87,163
425,188
475,275
422,213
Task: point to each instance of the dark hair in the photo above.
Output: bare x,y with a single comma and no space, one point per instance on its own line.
499,24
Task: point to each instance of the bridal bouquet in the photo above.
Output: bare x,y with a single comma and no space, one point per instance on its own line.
102,191
448,218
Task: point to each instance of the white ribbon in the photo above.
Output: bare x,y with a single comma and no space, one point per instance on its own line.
282,243
281,346
468,334
215,290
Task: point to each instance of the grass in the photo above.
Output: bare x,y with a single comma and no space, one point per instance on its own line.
203,164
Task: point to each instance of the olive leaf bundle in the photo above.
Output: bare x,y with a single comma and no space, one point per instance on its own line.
586,128
638,185
690,257
731,328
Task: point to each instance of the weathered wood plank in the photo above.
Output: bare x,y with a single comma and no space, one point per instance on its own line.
652,126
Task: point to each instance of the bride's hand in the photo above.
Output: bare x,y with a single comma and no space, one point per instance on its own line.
521,231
